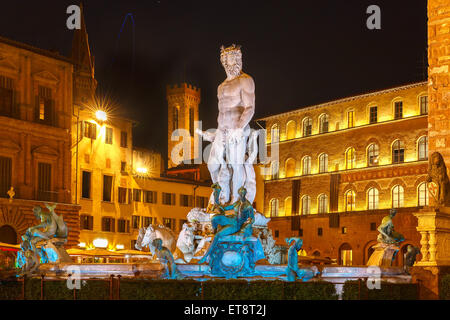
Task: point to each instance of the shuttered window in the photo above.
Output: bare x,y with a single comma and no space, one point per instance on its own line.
86,185
122,195
123,139
201,202
45,107
186,200
6,96
107,188
123,226
44,181
150,196
86,222
109,135
137,195
108,224
169,223
5,176
90,130
168,198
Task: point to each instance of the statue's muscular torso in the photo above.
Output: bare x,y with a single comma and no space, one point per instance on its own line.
236,102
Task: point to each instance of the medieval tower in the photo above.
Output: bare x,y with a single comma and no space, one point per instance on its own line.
183,101
439,77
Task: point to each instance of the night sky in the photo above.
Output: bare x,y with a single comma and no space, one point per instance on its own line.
298,52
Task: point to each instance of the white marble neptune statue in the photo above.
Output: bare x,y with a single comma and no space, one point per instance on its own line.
234,147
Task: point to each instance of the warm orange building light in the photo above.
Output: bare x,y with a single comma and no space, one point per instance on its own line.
101,115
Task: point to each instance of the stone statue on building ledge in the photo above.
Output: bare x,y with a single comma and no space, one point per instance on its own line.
388,243
437,174
43,243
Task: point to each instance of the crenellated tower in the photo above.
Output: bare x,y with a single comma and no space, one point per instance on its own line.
183,101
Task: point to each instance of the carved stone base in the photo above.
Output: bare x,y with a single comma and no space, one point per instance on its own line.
234,256
429,279
433,223
384,255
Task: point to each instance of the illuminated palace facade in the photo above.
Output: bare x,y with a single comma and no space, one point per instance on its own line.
35,110
342,165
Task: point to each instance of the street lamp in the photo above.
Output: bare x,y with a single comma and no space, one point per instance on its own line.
101,115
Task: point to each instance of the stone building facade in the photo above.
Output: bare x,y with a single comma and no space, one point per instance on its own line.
35,159
342,165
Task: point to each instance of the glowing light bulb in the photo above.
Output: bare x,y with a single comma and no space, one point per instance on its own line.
101,115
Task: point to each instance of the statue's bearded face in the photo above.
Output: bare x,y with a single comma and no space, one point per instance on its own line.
232,63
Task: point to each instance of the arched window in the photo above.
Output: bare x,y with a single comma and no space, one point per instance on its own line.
323,123
306,165
291,127
372,199
275,133
290,167
288,206
398,151
307,127
323,203
350,158
397,196
274,208
306,205
350,200
323,163
274,170
372,155
422,148
422,194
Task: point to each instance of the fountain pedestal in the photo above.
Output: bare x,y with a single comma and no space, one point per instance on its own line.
235,256
383,255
